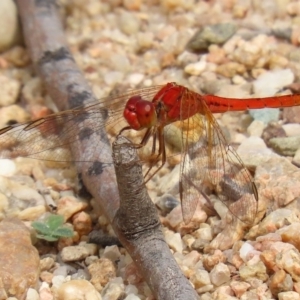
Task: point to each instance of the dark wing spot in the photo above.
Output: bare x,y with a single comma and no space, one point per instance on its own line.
96,168
85,133
54,56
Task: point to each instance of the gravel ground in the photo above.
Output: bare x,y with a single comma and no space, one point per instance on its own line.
231,48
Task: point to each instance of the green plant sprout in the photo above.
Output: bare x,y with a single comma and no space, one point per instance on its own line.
52,228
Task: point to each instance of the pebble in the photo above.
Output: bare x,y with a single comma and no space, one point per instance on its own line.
112,253
292,129
113,77
12,113
290,262
17,274
77,290
135,79
102,271
200,279
128,23
286,146
10,29
257,270
113,290
10,90
290,295
296,157
280,282
256,128
132,4
195,68
46,276
46,263
18,56
7,167
68,206
220,274
32,213
265,115
289,234
253,151
167,203
34,91
211,34
32,294
174,240
45,292
245,250
74,253
270,82
82,223
174,218
291,114
62,271
239,288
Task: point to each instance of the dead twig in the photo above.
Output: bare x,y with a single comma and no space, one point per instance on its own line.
139,229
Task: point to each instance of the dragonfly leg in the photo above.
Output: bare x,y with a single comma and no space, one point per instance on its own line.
161,152
143,142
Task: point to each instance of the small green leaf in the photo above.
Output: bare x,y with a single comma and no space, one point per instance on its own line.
63,232
52,228
41,227
47,238
55,221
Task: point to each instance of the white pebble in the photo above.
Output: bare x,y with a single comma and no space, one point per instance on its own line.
79,290
200,278
290,295
291,129
195,68
136,78
58,280
174,240
7,167
113,77
245,250
10,89
112,253
256,128
32,294
129,23
269,83
220,274
9,25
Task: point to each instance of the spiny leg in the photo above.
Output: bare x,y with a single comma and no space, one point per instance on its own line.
161,152
155,132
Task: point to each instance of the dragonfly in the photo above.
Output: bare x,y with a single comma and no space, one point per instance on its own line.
209,165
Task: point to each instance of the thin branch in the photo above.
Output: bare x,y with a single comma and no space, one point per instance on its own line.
140,233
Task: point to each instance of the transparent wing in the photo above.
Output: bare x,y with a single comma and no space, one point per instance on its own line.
50,138
210,164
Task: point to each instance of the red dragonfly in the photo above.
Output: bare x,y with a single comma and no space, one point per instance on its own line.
208,163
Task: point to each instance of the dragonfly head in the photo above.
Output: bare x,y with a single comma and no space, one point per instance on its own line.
140,113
